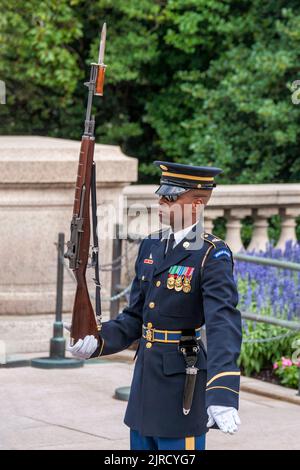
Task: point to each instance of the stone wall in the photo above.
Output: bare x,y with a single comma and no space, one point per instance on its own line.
36,200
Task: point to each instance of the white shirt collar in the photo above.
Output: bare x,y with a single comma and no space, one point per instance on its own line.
179,236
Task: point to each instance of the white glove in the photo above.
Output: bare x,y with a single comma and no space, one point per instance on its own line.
226,417
84,348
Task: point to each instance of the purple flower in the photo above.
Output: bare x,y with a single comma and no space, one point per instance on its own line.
268,290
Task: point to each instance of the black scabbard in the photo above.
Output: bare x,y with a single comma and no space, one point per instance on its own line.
189,347
189,388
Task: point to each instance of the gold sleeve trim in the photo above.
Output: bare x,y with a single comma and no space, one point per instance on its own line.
101,349
226,388
222,374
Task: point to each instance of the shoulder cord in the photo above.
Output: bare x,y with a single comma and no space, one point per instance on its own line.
205,257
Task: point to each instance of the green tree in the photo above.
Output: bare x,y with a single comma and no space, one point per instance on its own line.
229,102
198,81
38,63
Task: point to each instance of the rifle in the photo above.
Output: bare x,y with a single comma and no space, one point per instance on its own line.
84,320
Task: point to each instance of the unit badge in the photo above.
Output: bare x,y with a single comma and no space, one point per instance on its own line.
222,252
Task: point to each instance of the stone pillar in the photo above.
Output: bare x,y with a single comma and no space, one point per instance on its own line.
234,218
36,201
209,216
288,226
208,225
260,238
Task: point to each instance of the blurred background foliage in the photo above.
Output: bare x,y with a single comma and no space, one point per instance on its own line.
199,81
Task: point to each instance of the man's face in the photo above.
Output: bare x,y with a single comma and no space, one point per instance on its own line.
182,212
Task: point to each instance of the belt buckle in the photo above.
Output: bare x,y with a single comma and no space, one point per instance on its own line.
150,334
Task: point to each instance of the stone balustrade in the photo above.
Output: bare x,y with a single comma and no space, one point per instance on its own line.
234,203
36,199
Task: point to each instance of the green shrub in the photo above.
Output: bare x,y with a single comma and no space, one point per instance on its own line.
256,356
287,371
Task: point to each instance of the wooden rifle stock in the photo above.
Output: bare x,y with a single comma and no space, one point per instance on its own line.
83,318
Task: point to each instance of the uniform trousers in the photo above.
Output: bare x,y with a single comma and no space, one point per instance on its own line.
139,442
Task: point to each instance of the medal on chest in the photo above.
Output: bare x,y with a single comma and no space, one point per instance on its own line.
186,285
178,281
171,277
179,278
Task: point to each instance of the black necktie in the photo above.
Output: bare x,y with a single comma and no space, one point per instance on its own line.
170,244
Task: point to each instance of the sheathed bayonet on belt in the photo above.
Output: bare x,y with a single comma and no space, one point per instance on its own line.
190,348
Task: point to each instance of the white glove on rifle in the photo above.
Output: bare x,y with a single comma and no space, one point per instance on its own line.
83,348
226,417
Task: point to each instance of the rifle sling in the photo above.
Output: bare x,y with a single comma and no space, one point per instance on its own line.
95,251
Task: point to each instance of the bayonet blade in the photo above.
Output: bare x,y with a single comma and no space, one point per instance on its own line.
102,45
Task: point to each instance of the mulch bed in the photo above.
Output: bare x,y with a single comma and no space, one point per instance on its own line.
266,375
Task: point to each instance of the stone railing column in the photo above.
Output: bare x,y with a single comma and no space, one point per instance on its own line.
209,216
260,238
234,219
288,226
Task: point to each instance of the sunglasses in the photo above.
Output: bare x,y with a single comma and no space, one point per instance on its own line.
173,197
170,197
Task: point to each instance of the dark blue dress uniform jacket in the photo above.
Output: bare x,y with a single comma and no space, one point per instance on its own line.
155,403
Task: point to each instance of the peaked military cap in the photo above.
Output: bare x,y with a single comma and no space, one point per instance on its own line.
177,178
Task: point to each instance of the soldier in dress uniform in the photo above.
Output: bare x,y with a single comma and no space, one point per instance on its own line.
180,388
